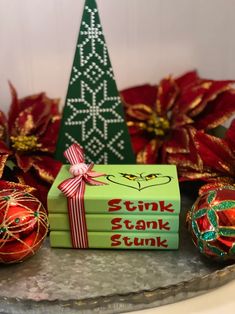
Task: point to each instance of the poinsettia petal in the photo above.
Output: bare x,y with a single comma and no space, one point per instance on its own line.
215,153
31,178
188,100
143,94
3,126
180,120
31,101
149,154
45,112
13,185
3,159
41,119
32,119
214,89
140,112
190,160
188,79
14,108
134,129
216,111
46,167
166,96
138,142
54,106
36,112
48,140
230,136
24,124
178,142
4,149
53,116
42,115
195,175
24,162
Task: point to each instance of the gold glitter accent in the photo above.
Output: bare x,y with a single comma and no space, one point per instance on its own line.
44,174
220,120
195,102
141,157
25,143
29,123
158,103
3,159
206,85
55,118
2,132
203,104
139,110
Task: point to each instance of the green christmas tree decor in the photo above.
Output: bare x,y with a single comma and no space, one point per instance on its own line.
93,114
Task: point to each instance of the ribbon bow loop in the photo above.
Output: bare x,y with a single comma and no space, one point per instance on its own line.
80,171
74,154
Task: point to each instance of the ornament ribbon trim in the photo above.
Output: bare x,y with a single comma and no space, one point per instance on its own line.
74,190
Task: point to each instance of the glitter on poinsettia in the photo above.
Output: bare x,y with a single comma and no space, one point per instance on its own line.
210,159
28,137
162,119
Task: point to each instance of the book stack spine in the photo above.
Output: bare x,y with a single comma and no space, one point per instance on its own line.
137,207
123,231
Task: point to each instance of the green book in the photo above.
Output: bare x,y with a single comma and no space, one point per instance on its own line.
129,189
119,223
112,240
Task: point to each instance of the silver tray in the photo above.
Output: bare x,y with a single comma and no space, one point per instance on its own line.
104,281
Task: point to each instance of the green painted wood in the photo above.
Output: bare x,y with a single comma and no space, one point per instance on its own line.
129,189
111,240
93,113
120,223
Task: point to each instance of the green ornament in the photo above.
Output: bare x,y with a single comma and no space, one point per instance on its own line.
93,113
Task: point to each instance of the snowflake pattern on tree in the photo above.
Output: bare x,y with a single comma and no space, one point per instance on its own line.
93,114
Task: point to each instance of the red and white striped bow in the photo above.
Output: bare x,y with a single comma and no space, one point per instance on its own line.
74,189
80,171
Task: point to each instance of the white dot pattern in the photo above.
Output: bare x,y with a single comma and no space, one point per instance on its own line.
94,116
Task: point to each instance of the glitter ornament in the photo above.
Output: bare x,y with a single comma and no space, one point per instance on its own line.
23,225
211,222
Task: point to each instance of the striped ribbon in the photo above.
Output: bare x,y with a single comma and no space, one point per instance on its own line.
74,190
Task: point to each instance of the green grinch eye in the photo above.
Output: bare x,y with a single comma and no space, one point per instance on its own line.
151,176
128,176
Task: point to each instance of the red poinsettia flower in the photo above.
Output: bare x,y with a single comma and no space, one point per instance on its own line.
29,136
215,159
161,118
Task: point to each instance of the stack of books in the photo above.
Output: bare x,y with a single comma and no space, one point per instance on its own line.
137,208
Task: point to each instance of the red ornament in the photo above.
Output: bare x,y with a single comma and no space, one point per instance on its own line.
23,225
211,222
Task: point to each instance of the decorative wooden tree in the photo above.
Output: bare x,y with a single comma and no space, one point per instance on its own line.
93,113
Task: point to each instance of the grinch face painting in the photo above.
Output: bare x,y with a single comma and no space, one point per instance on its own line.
139,181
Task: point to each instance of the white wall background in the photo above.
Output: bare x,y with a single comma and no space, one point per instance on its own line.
147,39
